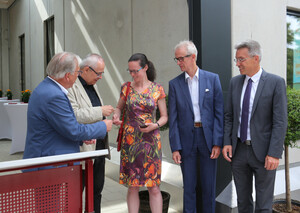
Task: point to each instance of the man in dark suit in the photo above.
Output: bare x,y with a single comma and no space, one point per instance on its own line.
255,126
52,128
196,126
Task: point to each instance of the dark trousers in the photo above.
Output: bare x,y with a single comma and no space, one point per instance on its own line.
99,177
190,170
244,166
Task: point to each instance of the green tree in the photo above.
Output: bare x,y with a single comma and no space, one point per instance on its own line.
292,136
290,55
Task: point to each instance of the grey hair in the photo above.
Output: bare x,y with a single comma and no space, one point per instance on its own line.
61,64
90,60
252,46
189,45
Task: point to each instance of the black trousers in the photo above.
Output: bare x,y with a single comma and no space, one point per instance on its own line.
99,177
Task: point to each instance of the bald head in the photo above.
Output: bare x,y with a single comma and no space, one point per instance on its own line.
91,60
93,68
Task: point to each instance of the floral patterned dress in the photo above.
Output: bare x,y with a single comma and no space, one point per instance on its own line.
141,152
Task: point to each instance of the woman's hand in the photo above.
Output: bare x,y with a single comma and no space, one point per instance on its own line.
117,113
116,120
150,127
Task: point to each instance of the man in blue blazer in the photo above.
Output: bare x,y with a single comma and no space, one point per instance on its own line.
52,128
255,126
196,126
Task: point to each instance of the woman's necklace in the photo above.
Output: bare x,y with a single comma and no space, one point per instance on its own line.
140,89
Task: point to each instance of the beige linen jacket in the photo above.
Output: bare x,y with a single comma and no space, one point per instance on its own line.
84,111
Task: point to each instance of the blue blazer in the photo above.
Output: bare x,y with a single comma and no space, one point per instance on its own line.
52,128
181,114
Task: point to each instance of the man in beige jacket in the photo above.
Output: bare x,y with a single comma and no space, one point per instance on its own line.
88,108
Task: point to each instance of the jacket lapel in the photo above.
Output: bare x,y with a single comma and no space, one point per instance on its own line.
185,89
202,87
259,90
82,92
238,94
96,89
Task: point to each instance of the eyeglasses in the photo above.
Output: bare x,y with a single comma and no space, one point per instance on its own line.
134,71
240,59
79,72
181,59
99,74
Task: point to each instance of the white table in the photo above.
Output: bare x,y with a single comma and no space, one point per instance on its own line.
3,98
17,114
5,127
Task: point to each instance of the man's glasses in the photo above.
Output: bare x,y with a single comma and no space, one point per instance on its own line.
79,72
181,59
99,74
240,59
134,71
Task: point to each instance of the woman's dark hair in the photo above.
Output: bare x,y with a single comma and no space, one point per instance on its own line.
151,72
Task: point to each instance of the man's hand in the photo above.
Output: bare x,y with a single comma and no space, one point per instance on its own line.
107,110
227,152
88,142
108,124
176,157
271,163
215,152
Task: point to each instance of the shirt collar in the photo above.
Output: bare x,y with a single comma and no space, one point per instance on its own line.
255,78
64,90
83,82
196,75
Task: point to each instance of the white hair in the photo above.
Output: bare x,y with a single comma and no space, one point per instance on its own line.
189,45
252,46
62,63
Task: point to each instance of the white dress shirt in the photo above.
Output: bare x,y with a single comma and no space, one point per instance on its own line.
193,84
255,80
64,90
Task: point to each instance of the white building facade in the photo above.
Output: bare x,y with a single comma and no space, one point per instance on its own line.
33,30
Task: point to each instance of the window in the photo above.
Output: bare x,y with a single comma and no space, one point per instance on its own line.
22,56
49,40
293,49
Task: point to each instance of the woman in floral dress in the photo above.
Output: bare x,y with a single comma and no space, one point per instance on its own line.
141,143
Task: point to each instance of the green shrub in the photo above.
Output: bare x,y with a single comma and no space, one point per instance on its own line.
293,107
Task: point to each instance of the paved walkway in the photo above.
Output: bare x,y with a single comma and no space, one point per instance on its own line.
114,194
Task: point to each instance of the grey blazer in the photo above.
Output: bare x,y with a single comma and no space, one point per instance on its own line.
268,120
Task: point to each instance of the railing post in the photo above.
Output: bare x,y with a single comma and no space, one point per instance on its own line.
89,188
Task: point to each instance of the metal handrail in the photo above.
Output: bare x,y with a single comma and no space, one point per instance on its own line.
50,160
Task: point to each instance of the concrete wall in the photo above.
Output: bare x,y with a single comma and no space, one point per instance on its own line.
18,25
4,58
265,22
118,28
115,29
30,22
293,5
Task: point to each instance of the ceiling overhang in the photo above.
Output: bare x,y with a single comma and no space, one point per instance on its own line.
4,4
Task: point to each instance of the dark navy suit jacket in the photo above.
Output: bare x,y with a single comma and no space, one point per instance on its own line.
181,114
52,128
